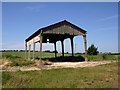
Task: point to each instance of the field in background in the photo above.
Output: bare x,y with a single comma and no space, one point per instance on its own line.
18,58
51,55
37,54
103,76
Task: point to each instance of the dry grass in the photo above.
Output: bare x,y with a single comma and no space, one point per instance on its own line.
4,61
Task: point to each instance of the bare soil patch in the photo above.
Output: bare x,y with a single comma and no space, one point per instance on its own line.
56,65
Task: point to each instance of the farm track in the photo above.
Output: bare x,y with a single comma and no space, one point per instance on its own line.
57,65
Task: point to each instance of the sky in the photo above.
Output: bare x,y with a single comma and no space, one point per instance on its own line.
99,19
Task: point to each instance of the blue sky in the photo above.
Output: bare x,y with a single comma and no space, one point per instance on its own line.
100,20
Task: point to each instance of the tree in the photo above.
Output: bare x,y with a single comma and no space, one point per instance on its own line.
92,50
47,51
67,52
55,51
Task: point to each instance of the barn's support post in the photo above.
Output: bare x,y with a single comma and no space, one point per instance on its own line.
33,50
71,39
55,49
62,43
25,50
41,45
85,46
29,51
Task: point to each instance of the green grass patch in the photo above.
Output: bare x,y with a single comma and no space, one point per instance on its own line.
16,60
102,57
103,76
51,55
37,54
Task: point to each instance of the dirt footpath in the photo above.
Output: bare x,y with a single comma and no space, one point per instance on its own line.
58,65
77,64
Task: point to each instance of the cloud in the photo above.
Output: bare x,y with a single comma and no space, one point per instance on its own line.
108,18
107,28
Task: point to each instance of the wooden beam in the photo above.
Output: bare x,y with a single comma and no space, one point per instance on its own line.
71,39
41,37
55,49
25,50
33,50
62,47
29,52
85,46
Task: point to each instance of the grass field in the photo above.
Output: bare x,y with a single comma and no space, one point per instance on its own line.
37,54
103,76
51,55
18,58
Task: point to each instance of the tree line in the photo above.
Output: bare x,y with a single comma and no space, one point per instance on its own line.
92,50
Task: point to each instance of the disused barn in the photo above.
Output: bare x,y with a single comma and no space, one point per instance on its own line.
56,32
